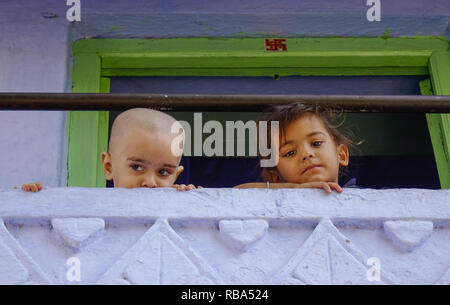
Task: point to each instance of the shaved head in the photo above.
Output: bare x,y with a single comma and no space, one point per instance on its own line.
139,118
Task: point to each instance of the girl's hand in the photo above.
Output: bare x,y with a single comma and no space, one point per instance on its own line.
184,187
31,187
327,186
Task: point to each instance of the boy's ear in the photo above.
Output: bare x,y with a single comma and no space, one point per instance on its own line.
107,167
343,155
180,169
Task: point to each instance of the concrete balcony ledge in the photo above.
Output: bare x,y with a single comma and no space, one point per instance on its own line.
224,236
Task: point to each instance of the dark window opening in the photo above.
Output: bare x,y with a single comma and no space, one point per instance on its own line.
396,152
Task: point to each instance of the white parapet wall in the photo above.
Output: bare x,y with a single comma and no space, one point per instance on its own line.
224,236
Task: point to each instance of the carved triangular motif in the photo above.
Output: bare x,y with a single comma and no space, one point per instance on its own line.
160,256
16,266
445,279
11,270
314,268
408,235
241,234
77,232
327,257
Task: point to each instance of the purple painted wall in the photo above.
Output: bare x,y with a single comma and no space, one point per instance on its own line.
256,18
35,48
34,57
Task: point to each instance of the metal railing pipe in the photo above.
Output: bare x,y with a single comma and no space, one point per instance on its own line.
120,101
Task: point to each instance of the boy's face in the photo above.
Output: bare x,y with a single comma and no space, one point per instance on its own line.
308,153
142,159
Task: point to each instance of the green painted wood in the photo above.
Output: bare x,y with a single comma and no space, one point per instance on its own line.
105,85
225,45
264,59
342,71
246,57
440,72
86,130
103,134
434,129
96,58
425,87
439,124
221,56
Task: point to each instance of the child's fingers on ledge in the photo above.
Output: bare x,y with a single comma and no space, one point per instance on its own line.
321,185
336,186
33,187
181,187
327,188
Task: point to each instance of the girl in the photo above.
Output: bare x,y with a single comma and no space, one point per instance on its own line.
311,150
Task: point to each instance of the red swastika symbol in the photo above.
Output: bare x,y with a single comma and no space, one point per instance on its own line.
275,45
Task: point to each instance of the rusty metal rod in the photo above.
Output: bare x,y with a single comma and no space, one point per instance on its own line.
176,102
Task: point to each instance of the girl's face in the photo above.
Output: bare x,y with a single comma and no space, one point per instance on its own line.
308,153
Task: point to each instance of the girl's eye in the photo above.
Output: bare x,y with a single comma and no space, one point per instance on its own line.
291,153
317,143
136,167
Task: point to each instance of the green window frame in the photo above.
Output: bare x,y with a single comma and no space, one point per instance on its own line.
95,60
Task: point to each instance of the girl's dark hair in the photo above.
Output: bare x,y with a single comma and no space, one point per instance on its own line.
287,114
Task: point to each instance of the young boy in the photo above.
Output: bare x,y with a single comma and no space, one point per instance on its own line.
140,152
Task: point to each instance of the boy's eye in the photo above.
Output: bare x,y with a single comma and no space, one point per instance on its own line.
164,172
290,153
137,167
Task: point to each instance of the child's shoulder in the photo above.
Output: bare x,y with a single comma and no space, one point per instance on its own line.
351,183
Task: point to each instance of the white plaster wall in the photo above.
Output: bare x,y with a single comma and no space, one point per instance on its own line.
225,236
33,58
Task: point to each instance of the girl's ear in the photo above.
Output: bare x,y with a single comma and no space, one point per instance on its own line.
343,154
274,177
107,167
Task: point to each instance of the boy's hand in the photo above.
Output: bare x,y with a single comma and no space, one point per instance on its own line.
184,187
327,186
31,187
